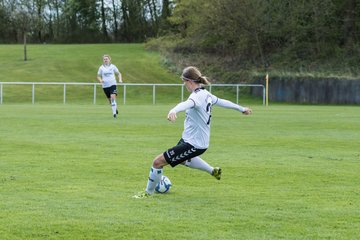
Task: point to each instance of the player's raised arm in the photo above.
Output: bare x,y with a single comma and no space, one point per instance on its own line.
228,104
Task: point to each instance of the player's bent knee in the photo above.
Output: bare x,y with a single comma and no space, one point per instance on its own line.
159,161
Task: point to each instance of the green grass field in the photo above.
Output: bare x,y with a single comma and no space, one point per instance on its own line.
69,171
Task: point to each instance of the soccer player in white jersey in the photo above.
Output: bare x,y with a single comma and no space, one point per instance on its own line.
196,135
106,76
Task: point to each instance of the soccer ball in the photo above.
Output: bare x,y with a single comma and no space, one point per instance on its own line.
164,185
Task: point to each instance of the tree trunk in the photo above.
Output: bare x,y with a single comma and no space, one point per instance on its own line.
57,20
153,15
25,51
125,16
39,6
103,18
115,21
165,12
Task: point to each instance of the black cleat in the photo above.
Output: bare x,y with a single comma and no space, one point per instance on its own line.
216,173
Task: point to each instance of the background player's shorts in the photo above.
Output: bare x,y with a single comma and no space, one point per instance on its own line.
181,152
110,90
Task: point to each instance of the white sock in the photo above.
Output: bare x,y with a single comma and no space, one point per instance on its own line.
154,179
200,164
113,106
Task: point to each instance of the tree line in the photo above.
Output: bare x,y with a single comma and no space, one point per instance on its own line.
81,21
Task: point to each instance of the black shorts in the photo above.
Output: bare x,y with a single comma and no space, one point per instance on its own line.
110,90
181,152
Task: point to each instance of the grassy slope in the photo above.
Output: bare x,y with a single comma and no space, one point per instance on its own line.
69,171
79,63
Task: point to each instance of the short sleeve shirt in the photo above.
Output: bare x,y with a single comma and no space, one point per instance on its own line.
107,73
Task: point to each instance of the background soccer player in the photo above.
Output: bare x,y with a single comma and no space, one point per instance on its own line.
106,76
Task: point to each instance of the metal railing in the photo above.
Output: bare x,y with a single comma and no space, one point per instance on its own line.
125,85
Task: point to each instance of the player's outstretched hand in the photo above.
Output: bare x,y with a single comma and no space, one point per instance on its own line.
172,116
247,111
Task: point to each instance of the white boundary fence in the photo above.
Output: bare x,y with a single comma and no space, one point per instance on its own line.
125,85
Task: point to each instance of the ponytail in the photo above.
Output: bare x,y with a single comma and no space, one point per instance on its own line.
203,80
193,74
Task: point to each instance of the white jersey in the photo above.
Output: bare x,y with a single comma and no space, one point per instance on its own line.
198,119
107,74
198,116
